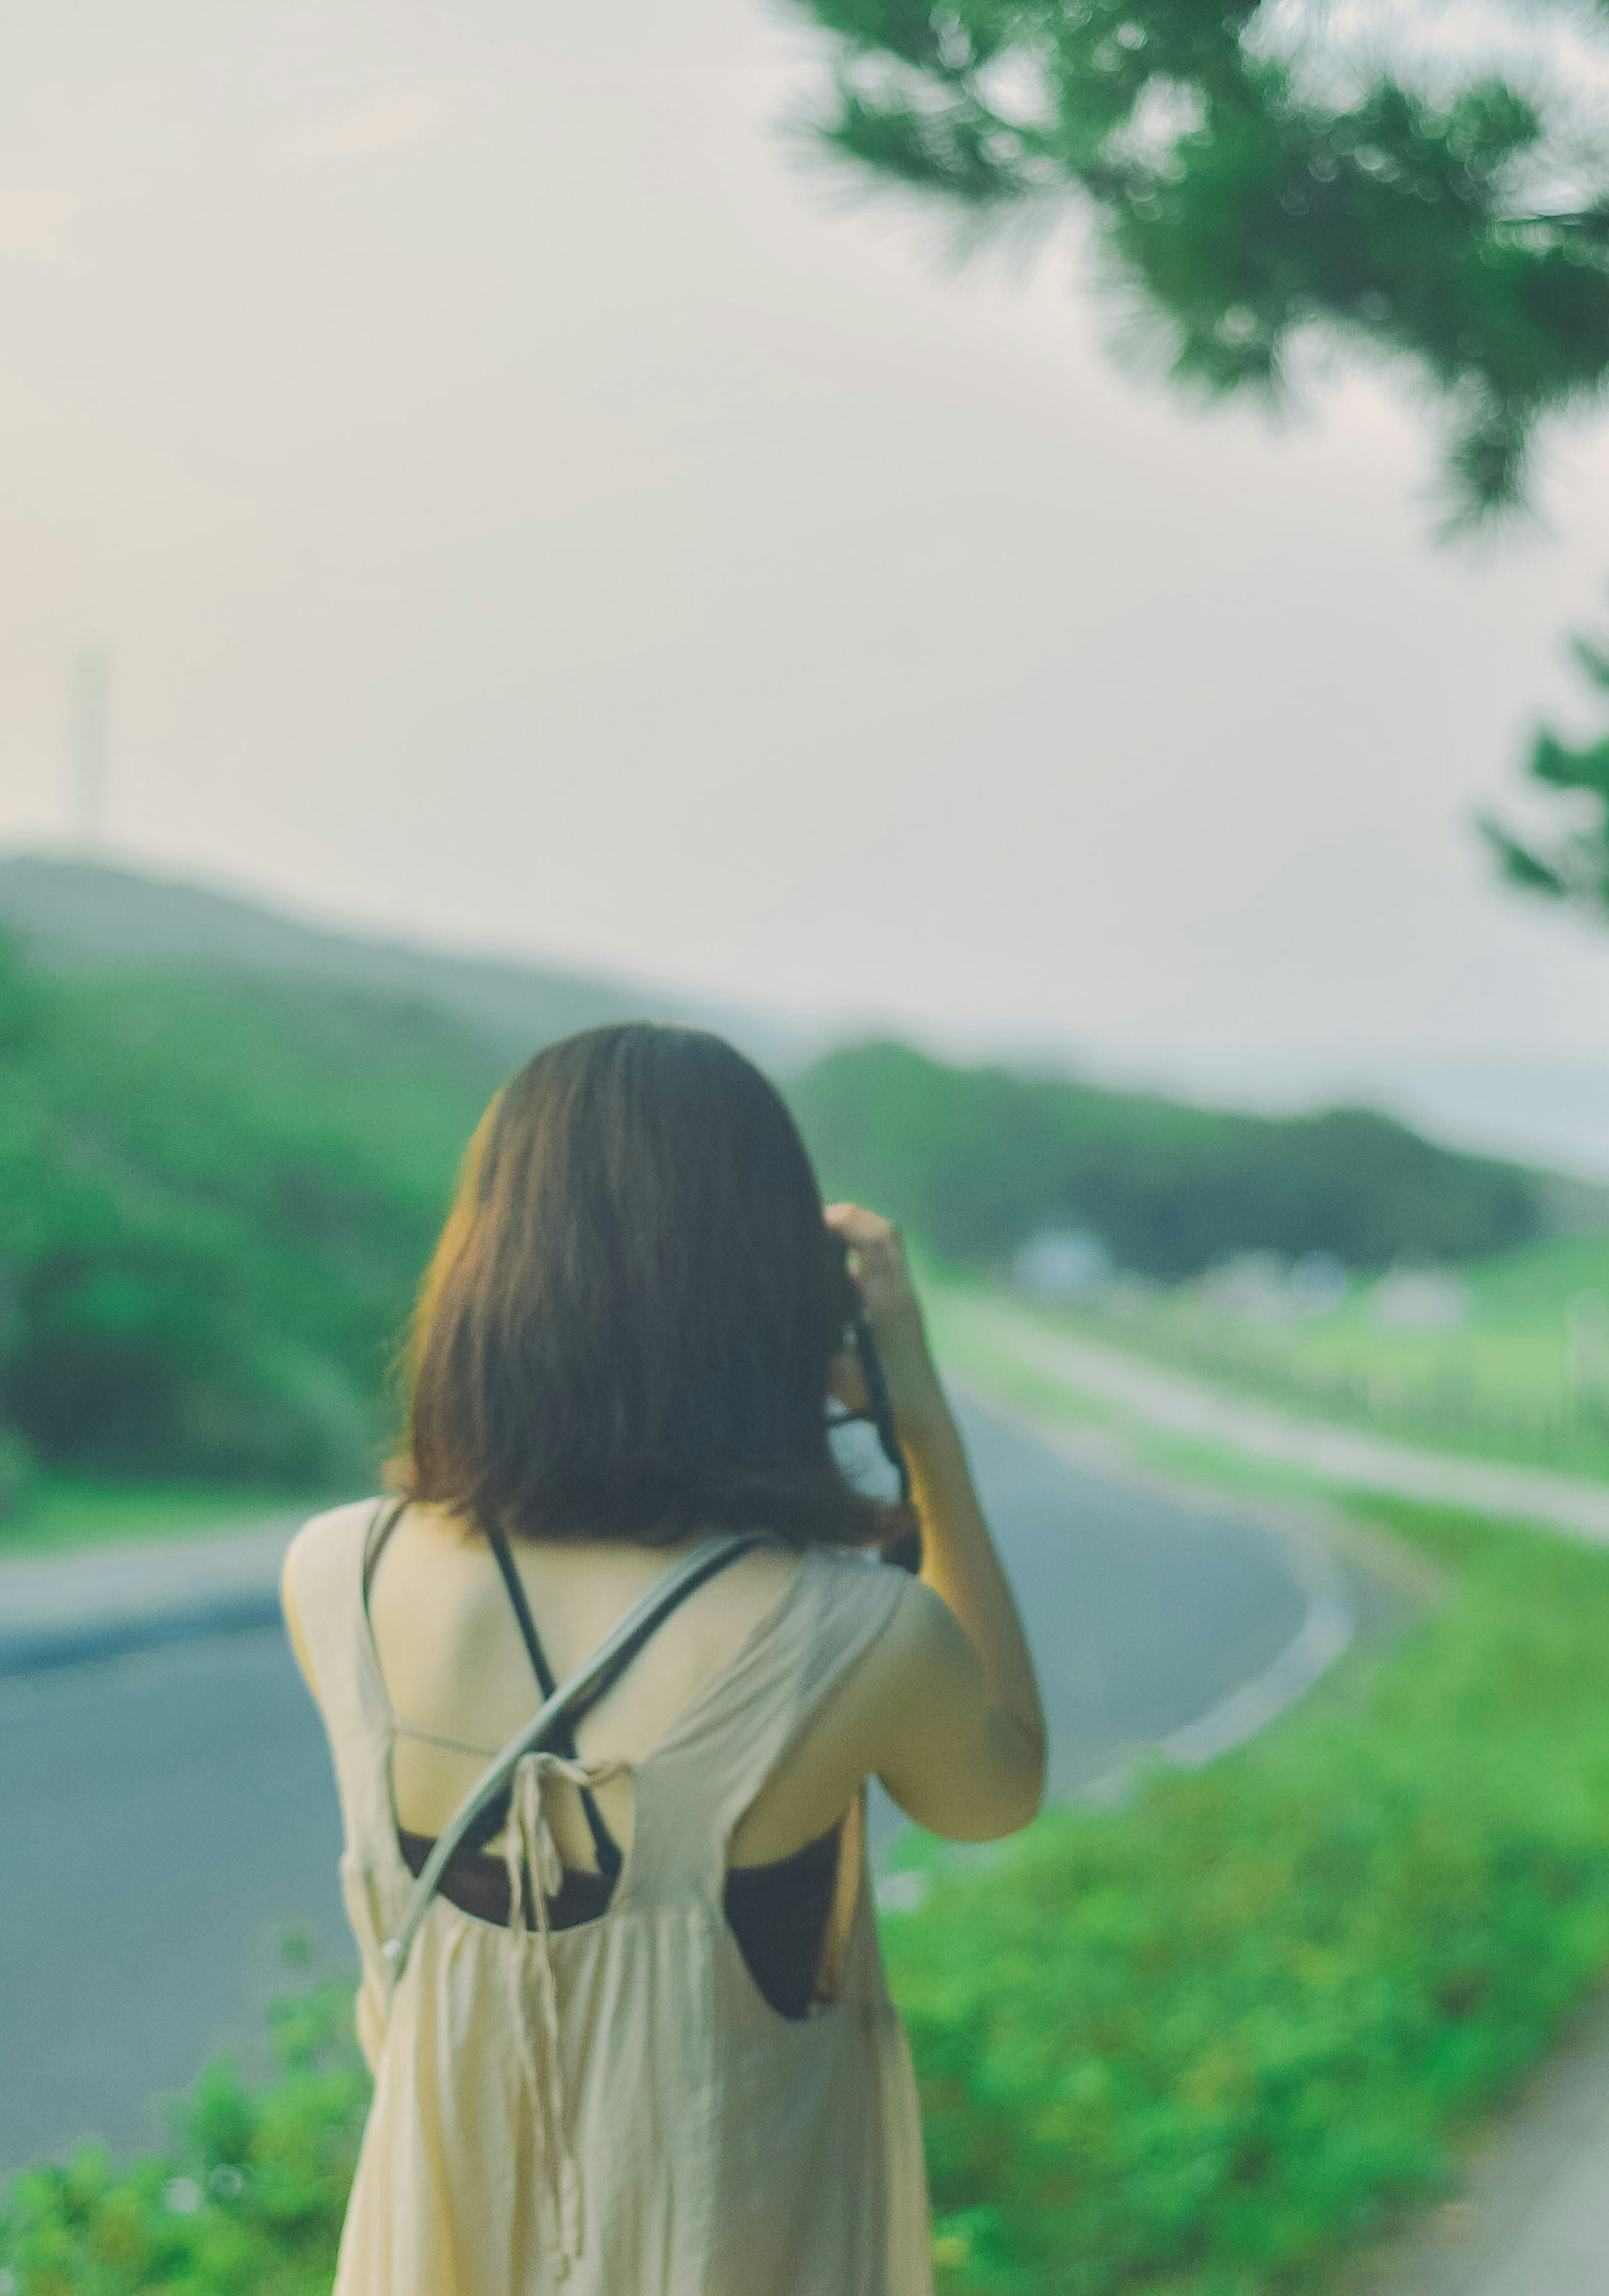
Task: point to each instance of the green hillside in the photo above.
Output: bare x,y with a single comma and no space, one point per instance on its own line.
218,1192
974,1160
219,1182
78,915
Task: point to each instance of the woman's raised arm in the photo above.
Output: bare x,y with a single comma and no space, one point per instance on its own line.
965,1734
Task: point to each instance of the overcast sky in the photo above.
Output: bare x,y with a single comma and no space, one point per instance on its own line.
529,510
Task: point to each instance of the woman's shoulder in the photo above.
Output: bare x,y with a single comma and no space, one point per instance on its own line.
909,1629
861,1568
335,1530
322,1563
859,1595
852,1569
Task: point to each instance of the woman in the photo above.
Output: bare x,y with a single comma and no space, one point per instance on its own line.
629,2032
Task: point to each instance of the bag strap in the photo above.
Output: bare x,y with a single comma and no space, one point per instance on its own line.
569,1703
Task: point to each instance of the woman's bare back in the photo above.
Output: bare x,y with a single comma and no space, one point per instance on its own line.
457,1669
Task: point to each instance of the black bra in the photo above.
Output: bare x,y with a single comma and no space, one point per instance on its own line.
778,1913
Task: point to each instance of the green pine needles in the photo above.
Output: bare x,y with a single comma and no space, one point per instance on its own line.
1246,193
1573,865
1249,189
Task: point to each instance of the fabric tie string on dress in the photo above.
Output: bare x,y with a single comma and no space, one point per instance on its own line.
529,1850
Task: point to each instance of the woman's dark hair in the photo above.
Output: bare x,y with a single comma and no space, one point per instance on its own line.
625,1329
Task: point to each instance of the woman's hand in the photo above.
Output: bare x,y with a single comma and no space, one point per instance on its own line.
876,1262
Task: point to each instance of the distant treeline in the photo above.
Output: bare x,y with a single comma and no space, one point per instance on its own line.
217,1190
972,1160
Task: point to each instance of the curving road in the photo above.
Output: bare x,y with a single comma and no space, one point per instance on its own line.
165,1817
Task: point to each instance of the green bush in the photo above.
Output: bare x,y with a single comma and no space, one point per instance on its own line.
250,2200
1202,2045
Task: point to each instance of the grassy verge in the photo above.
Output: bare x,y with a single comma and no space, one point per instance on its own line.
67,1510
1506,1382
993,1340
1203,2045
969,1353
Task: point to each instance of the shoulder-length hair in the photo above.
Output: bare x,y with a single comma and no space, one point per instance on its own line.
625,1329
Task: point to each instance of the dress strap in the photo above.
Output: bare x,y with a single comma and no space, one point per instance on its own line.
382,1522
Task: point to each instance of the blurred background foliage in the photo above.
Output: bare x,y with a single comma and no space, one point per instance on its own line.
219,1182
974,1160
218,1192
1249,184
1258,187
249,2200
1571,862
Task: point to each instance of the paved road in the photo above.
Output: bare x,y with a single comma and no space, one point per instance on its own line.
164,1815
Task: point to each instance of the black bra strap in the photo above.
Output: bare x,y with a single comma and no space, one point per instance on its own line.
605,1847
528,1625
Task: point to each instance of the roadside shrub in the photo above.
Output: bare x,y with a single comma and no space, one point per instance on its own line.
1200,2045
248,2203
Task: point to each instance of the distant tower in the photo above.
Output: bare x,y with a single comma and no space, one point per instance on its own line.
88,709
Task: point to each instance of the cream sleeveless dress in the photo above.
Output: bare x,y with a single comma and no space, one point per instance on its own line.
615,2110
